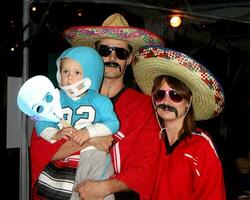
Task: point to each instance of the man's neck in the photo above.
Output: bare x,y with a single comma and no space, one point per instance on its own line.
111,87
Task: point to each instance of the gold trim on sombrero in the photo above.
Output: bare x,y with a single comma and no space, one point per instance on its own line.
114,27
150,62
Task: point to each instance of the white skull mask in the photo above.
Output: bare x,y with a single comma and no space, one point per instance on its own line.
40,100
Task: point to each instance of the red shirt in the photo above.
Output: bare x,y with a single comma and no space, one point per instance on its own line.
192,171
135,156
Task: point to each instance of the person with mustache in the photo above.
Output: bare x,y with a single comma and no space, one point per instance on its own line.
135,147
183,91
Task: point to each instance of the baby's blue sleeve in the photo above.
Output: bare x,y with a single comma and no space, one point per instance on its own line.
41,125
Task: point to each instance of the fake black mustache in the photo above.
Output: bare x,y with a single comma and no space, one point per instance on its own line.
168,108
112,64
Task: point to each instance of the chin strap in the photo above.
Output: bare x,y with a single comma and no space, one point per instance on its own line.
189,105
77,89
157,117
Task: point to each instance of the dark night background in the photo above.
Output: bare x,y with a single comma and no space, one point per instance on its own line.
216,33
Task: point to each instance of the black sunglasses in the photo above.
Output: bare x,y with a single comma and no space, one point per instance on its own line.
105,50
159,95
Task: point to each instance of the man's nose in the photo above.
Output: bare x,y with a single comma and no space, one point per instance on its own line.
113,56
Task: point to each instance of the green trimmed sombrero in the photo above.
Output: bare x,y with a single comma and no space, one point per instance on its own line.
150,62
114,27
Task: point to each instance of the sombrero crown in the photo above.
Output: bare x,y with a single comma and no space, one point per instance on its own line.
151,62
114,27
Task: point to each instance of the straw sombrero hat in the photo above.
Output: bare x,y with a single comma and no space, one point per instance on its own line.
150,62
114,27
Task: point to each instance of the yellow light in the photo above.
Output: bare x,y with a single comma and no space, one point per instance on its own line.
175,21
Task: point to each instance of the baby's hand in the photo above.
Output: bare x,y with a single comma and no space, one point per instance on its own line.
57,136
67,132
80,136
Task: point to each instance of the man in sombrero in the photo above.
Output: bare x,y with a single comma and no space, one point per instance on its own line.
135,147
183,91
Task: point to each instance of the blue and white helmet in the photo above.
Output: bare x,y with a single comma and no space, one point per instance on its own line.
92,64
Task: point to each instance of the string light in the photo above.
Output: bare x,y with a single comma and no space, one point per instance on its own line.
175,21
33,8
79,13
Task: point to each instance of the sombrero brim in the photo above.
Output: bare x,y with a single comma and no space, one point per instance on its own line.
208,99
88,35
